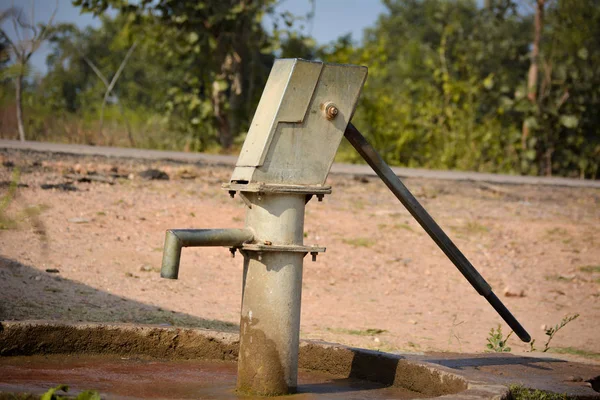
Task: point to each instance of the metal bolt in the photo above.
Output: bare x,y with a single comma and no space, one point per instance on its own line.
232,250
314,255
331,111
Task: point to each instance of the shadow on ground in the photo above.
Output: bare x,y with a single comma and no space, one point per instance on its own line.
28,293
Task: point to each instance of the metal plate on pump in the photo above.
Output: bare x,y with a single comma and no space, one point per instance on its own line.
292,140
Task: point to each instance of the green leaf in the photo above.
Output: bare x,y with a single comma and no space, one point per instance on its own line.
193,37
488,82
531,123
51,394
569,121
88,395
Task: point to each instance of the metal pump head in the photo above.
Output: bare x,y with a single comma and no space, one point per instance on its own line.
299,123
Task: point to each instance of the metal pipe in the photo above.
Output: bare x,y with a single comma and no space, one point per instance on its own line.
176,239
271,296
358,141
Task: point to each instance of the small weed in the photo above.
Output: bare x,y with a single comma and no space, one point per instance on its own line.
590,269
359,242
518,392
497,342
192,214
552,331
237,219
85,395
101,214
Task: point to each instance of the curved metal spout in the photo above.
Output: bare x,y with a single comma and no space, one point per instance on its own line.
176,239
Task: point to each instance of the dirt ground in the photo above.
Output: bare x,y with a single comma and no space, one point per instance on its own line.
382,284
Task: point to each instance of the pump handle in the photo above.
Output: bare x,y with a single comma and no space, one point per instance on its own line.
358,141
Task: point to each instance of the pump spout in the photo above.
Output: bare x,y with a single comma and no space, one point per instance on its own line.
176,239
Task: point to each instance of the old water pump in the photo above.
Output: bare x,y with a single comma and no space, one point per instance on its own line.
304,112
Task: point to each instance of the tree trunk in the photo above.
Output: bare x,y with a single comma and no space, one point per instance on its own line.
19,104
226,108
532,75
224,130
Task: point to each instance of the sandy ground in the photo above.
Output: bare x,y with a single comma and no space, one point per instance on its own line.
382,284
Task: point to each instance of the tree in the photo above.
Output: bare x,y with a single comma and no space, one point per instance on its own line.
219,44
29,38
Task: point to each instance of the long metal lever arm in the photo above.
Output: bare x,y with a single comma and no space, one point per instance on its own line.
409,201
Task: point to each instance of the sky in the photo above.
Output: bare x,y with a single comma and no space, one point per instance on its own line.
333,18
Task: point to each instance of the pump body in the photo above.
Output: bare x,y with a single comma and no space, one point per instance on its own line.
304,112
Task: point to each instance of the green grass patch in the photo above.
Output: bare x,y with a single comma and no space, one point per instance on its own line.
359,242
575,351
358,332
518,392
404,226
590,269
559,278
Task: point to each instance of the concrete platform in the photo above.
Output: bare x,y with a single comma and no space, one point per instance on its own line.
453,376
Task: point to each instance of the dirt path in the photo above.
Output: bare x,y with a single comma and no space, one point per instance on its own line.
382,283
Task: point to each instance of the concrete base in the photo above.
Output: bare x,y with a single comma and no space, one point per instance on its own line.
455,376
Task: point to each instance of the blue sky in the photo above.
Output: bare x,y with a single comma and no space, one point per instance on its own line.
333,18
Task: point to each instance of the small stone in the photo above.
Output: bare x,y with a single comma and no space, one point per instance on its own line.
38,278
65,187
574,378
412,322
154,174
376,340
52,270
78,220
544,327
146,268
510,291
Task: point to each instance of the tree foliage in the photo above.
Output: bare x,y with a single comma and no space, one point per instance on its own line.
447,86
449,82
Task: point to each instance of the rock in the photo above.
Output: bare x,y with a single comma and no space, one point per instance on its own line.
146,268
154,174
361,178
574,378
513,291
78,220
65,187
